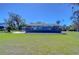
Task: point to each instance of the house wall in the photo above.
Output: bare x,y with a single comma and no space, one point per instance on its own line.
42,29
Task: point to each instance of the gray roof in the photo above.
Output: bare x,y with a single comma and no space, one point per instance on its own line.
38,24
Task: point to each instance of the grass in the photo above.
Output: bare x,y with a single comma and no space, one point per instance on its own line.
39,44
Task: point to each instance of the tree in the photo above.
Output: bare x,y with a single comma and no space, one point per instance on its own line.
58,22
75,17
71,27
76,4
15,21
64,27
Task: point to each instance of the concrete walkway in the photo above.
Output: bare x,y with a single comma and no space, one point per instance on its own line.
18,32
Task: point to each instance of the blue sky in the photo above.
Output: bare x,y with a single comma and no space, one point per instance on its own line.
33,12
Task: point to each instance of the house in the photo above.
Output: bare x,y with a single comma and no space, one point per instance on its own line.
2,26
40,28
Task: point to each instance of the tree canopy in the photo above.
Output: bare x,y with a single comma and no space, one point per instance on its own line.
15,21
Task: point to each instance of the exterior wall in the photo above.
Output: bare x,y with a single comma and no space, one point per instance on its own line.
42,29
1,27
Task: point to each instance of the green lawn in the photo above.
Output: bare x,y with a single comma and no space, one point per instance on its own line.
39,44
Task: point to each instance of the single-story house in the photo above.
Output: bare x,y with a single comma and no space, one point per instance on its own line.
2,26
42,29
